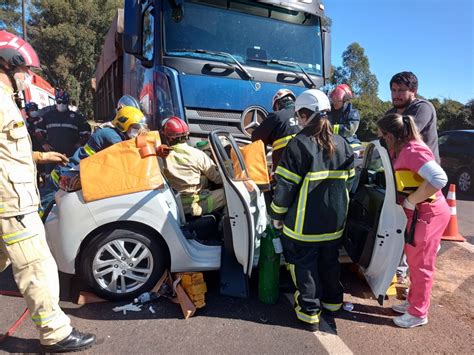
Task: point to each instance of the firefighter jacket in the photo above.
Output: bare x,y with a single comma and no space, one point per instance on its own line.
184,167
277,130
311,196
101,139
62,130
18,193
345,122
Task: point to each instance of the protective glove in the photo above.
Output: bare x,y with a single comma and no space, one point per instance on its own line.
163,150
408,205
50,157
277,224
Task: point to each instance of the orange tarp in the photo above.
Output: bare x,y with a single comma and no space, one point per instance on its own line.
256,163
124,168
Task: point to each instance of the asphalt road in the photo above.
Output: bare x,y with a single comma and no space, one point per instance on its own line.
230,326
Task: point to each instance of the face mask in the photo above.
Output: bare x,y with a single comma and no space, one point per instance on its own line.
61,107
383,142
23,84
133,132
33,114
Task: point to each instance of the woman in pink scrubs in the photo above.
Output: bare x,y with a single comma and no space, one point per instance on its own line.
408,152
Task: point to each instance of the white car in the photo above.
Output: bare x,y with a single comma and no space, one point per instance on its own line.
121,245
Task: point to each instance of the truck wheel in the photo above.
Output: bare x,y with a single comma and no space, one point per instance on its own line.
120,264
464,181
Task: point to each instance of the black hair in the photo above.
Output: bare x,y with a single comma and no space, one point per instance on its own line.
406,78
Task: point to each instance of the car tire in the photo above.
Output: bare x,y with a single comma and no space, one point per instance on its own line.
121,264
464,182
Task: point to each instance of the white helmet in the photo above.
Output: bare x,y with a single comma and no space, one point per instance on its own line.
280,94
314,100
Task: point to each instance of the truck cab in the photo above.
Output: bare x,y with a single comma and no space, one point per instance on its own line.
215,64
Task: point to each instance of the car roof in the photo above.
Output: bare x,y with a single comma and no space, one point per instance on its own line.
471,131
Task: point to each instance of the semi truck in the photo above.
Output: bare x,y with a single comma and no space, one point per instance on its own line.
215,64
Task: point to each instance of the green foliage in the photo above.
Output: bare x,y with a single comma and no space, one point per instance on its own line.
68,36
371,109
10,15
454,115
355,71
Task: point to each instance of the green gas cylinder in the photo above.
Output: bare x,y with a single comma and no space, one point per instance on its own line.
269,266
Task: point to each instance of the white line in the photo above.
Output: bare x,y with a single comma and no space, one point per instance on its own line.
330,341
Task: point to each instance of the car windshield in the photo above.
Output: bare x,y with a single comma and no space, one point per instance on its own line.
251,32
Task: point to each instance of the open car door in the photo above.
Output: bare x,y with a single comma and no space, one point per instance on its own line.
245,219
374,236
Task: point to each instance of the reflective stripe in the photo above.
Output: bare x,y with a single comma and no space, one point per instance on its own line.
293,276
55,176
17,236
333,307
2,209
190,199
312,319
61,125
282,142
89,151
301,209
312,237
330,174
43,319
278,209
288,174
355,145
335,129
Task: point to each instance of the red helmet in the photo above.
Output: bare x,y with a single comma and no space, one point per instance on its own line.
341,93
174,128
280,94
16,52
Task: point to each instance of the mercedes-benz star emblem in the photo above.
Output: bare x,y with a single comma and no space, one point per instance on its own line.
251,119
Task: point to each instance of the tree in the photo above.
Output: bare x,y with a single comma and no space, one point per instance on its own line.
10,15
355,71
68,36
454,115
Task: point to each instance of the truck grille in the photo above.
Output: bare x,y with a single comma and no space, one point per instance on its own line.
202,122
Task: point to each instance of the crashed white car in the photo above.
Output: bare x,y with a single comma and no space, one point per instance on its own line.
120,246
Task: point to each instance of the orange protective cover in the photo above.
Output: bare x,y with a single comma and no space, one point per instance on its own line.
124,168
256,163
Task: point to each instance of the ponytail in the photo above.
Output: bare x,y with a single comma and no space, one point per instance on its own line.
403,128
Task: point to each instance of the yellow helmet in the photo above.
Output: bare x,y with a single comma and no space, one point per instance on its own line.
128,116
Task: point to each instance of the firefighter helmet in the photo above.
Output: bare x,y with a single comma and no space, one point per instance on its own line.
16,52
62,96
175,127
313,100
31,106
280,94
341,93
128,116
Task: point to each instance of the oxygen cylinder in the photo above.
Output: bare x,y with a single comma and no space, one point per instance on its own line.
269,266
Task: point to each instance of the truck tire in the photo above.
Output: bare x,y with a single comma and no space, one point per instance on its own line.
120,264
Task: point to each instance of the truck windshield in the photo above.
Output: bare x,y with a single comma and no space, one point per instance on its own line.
255,34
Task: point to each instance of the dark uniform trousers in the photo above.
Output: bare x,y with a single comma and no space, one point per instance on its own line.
315,270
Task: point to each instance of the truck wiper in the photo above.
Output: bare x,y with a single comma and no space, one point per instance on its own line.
291,65
222,54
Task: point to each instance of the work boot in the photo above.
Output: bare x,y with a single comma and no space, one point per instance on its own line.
75,341
409,321
401,308
311,327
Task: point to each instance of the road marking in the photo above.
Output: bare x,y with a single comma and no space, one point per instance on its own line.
468,246
330,341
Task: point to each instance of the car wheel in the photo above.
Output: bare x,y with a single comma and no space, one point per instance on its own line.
464,181
121,264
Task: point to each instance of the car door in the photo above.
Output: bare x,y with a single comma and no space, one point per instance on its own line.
374,236
245,218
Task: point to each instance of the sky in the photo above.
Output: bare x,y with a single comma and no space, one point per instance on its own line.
432,38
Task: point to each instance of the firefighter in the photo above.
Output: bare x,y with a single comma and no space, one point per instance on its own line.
344,118
279,126
23,241
62,130
128,123
33,117
189,170
310,206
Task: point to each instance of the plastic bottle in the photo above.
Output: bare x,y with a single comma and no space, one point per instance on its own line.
269,267
146,297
